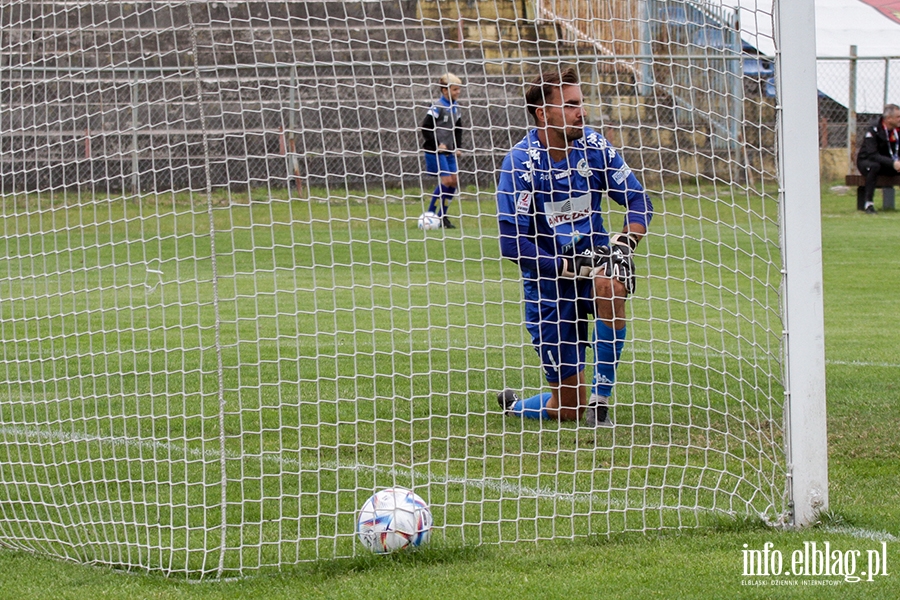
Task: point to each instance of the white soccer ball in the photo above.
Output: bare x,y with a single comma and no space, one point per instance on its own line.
394,519
429,221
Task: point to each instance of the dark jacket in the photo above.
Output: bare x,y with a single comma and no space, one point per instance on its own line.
442,125
878,144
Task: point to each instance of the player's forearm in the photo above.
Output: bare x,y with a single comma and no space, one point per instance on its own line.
428,135
523,251
635,231
640,212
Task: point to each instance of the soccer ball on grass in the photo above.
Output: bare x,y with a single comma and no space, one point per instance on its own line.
429,221
394,519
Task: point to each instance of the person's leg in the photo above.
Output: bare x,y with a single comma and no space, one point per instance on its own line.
434,206
608,341
529,408
445,192
608,344
449,185
563,365
432,167
564,402
870,170
568,398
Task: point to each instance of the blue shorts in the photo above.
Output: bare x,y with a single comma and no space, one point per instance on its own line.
442,164
559,332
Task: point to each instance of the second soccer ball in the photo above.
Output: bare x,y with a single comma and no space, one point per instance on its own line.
429,221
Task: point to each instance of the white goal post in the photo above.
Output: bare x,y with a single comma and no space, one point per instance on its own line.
807,448
223,330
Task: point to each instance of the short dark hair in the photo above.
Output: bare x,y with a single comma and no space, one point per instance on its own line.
544,84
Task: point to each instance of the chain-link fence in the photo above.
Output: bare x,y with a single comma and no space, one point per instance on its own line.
852,93
297,93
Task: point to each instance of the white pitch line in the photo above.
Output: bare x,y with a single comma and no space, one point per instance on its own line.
858,532
639,348
636,348
860,363
643,349
497,485
503,487
506,489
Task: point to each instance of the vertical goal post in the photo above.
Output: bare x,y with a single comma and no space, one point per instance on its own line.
222,329
806,427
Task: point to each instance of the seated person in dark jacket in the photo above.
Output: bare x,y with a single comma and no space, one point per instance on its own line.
879,153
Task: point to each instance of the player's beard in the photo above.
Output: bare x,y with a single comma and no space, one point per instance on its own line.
564,135
574,132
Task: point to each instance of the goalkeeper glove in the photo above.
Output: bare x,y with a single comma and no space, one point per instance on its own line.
621,262
583,265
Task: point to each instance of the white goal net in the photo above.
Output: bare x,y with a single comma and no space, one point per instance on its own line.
222,329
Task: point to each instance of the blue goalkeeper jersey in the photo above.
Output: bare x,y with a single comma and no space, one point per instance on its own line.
557,205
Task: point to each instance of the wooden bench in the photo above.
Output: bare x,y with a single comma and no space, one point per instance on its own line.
885,182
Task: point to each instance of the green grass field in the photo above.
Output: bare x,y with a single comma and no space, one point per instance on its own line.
337,359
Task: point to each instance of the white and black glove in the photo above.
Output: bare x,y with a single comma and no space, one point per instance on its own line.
621,261
585,264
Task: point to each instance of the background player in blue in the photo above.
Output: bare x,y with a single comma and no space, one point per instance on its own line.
549,209
441,140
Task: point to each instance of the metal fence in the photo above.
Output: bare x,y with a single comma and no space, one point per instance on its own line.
852,92
318,100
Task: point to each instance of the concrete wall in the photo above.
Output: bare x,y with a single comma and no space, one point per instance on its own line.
834,163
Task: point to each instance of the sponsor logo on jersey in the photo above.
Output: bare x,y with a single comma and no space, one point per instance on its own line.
561,175
583,169
622,174
574,208
523,202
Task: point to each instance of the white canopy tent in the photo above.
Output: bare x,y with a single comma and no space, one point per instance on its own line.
840,24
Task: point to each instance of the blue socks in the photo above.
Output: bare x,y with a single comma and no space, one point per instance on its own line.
532,408
607,350
440,199
608,343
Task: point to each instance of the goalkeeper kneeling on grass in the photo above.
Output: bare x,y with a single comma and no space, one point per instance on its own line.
549,209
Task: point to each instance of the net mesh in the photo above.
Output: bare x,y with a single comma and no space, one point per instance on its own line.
222,330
